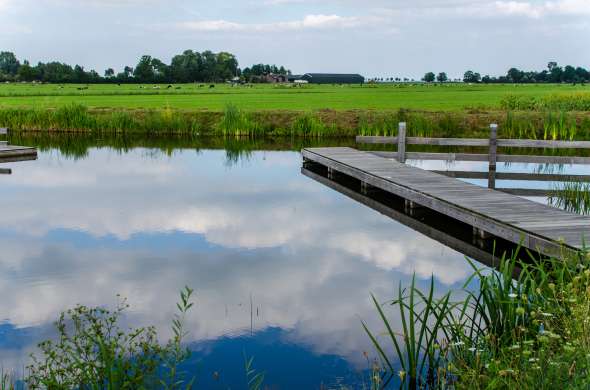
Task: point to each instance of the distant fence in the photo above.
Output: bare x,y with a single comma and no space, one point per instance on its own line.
493,143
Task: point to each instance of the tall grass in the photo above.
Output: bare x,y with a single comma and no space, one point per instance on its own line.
571,196
525,326
418,351
552,126
235,122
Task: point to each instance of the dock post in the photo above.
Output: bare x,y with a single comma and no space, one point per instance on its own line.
401,143
493,155
330,173
364,188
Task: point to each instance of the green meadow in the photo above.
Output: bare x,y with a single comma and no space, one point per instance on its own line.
431,97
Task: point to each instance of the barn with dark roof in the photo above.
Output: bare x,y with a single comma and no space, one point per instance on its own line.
332,78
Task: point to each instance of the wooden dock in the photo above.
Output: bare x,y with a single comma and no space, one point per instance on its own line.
535,226
11,153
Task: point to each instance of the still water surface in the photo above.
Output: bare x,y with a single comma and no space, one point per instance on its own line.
282,265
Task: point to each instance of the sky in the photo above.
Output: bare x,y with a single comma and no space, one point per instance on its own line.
377,38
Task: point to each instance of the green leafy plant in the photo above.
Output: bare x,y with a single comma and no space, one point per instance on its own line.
93,351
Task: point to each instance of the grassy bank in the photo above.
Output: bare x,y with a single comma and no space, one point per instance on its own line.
233,121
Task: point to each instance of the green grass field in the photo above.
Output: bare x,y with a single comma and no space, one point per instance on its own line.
448,97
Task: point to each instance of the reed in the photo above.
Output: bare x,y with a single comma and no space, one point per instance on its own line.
418,351
522,326
7,381
235,122
551,126
571,196
308,125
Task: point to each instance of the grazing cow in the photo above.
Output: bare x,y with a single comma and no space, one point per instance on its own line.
169,86
212,86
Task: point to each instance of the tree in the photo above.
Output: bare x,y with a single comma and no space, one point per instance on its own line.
227,66
556,74
144,72
26,72
515,75
441,77
8,63
569,74
160,70
471,77
428,77
79,75
110,72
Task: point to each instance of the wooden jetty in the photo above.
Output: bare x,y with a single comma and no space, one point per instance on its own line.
538,227
12,153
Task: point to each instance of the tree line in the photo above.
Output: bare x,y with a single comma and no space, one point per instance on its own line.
188,67
553,74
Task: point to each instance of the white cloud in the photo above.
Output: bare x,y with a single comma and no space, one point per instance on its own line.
308,22
548,8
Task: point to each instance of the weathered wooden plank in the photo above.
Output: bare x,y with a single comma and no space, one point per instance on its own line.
514,176
525,191
361,139
564,160
534,143
10,153
447,141
500,214
517,143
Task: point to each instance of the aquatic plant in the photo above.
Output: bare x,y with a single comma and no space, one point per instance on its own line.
418,351
234,121
254,379
307,125
571,196
93,351
522,326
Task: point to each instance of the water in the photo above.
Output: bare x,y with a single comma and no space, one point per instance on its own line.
282,265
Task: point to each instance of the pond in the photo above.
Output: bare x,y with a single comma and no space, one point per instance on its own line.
282,265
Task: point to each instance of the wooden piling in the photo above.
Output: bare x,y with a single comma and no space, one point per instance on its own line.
401,143
493,155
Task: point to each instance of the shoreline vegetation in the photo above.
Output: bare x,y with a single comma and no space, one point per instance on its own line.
236,122
523,325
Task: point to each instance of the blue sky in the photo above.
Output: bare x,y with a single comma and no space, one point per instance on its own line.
372,37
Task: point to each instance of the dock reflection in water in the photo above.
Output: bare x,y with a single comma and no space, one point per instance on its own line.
448,231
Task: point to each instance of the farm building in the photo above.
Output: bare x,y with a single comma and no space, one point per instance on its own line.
274,78
333,78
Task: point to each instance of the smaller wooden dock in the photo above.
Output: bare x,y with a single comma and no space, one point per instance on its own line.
12,153
535,226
